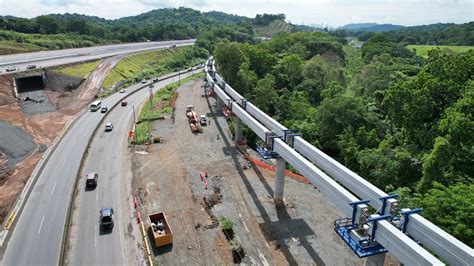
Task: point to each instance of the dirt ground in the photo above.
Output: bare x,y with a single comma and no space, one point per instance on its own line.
43,127
167,179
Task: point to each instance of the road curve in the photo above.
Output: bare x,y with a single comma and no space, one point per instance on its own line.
45,59
37,236
108,155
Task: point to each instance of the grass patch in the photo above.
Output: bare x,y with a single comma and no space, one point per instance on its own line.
150,64
11,47
78,70
132,65
422,50
34,42
161,107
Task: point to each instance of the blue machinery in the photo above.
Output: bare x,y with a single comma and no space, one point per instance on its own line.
359,231
266,153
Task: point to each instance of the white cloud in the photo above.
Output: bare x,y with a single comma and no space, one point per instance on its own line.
333,12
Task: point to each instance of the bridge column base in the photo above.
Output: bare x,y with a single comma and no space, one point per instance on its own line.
238,129
218,104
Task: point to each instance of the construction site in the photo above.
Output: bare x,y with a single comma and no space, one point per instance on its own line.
218,199
34,108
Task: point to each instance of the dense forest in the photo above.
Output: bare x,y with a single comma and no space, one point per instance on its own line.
58,31
402,122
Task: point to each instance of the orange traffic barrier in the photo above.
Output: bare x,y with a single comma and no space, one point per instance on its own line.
139,217
259,163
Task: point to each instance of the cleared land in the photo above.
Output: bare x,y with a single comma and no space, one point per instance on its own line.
274,28
166,179
422,50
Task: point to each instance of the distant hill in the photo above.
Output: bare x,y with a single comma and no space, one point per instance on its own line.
224,17
371,27
357,26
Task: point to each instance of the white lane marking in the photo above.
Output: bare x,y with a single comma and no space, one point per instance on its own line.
262,258
97,196
95,236
53,188
41,225
64,161
245,226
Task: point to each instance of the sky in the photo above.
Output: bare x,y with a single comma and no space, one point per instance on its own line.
323,12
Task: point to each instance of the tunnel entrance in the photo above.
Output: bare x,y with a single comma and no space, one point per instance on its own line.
32,94
31,83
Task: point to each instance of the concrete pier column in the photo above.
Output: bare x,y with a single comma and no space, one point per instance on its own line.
279,180
218,104
238,129
376,260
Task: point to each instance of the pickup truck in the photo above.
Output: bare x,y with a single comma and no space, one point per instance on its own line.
106,220
162,233
91,180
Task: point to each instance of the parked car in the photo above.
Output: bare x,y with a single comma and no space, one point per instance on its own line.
155,80
122,91
151,86
91,180
10,69
144,81
109,127
106,219
29,67
104,109
124,103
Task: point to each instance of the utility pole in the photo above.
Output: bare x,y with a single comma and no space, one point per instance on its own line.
151,97
134,119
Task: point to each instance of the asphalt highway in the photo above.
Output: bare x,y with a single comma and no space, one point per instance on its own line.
37,236
45,59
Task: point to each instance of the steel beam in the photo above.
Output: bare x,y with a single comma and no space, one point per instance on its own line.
256,127
392,238
404,248
334,192
434,238
454,251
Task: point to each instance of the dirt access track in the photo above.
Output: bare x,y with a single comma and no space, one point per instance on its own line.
166,179
42,127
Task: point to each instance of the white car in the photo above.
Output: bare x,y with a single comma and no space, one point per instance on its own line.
10,69
203,120
122,91
109,127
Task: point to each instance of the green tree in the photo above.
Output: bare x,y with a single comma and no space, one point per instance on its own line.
449,207
47,25
264,94
288,71
229,57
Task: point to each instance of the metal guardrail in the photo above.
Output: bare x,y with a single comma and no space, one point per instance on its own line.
449,248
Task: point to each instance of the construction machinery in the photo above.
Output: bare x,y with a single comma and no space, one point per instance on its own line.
193,119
